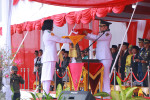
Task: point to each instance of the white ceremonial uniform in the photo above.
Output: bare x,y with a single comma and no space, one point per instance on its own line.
49,57
104,55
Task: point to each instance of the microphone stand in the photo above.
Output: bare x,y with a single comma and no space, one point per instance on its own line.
88,55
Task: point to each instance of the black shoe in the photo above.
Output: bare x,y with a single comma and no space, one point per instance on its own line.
39,90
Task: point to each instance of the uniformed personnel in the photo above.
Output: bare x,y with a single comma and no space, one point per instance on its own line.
141,52
49,57
103,52
146,60
15,80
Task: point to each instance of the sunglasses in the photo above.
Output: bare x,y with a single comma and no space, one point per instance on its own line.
102,25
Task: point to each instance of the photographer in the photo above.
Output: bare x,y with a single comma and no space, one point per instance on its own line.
15,80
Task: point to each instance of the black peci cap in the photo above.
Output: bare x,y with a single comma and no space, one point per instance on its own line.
140,40
66,52
41,50
14,68
63,50
36,51
114,46
146,41
135,47
47,25
126,43
105,23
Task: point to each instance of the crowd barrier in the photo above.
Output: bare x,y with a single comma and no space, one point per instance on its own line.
130,74
23,74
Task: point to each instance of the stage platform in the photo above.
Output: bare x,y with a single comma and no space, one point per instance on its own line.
25,95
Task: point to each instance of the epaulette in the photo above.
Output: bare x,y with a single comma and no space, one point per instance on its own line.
107,34
52,34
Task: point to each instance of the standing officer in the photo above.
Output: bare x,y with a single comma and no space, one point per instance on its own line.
124,55
49,57
146,60
134,63
114,54
39,67
103,52
141,52
15,80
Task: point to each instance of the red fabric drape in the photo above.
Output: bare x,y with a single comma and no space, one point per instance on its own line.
146,34
26,54
15,2
87,3
132,33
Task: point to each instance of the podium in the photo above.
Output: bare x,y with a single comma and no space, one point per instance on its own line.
76,70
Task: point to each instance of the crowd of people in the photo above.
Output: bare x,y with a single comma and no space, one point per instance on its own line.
135,57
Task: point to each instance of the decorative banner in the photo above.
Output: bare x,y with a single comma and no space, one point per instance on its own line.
94,83
75,71
75,39
94,69
96,74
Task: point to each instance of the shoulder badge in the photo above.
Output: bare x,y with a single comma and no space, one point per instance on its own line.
52,34
107,34
49,31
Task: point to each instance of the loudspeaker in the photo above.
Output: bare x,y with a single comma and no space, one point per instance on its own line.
77,95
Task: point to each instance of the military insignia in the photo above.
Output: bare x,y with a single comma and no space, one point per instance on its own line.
107,34
49,31
52,34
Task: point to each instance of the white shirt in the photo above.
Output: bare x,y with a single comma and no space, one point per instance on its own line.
35,59
103,45
50,52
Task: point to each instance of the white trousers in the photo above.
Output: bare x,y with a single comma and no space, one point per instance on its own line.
46,87
106,79
48,70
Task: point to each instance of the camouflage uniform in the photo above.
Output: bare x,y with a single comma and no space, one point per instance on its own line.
15,80
146,57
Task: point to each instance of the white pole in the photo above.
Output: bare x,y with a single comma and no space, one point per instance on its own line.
20,46
131,76
123,41
148,80
6,39
24,78
28,78
6,22
69,35
90,42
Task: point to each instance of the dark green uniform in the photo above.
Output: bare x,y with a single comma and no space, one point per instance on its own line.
146,57
15,80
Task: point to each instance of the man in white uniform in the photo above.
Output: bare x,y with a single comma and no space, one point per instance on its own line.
49,57
103,51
